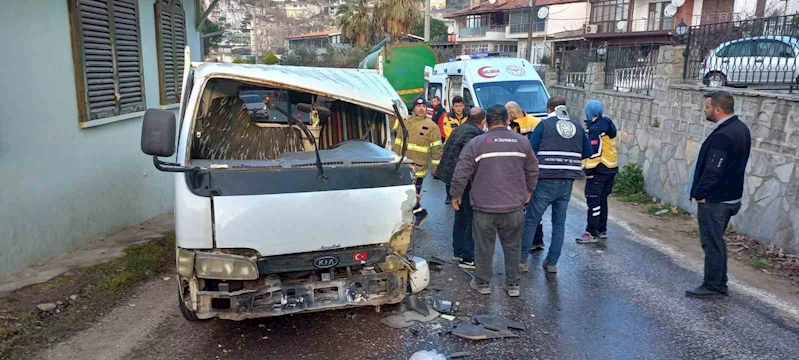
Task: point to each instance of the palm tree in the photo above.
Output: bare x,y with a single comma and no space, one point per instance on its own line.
355,21
396,17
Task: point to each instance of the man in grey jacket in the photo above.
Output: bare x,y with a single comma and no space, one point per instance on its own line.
496,162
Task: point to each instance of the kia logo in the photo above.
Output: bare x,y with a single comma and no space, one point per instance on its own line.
325,262
488,72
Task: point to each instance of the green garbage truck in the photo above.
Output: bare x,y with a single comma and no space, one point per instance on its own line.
402,65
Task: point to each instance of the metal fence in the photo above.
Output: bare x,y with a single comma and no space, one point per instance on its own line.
631,68
575,62
742,53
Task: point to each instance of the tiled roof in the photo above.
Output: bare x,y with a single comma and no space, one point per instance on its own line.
314,34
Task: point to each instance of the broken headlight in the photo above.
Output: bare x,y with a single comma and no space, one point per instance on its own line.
225,267
185,262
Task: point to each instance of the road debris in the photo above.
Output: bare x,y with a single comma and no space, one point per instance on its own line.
351,315
73,297
494,322
167,278
487,327
444,306
427,355
407,319
661,211
460,354
448,317
46,307
416,303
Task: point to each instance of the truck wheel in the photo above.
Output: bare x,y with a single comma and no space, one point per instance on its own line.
184,310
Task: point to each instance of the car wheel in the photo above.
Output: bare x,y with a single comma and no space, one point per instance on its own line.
716,79
184,310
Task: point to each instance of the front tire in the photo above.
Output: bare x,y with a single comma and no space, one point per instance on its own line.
716,79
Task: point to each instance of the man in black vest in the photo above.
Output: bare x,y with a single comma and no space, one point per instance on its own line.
561,144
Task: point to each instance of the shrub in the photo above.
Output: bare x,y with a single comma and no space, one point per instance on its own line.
630,184
270,59
237,60
250,60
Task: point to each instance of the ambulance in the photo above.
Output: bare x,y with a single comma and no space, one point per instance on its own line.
483,80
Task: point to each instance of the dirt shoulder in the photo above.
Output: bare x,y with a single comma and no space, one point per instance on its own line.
38,316
755,265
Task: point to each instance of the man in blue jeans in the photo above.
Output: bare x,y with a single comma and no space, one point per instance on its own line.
560,144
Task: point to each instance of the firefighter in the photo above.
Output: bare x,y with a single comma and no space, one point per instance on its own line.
424,149
449,123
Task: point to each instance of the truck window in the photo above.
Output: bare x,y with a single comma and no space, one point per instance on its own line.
467,98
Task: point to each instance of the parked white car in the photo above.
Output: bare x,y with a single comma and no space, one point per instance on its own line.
752,61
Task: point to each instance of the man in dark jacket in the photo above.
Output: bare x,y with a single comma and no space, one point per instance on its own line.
462,241
600,171
560,144
497,163
717,185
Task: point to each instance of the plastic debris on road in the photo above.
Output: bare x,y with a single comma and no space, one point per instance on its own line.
427,355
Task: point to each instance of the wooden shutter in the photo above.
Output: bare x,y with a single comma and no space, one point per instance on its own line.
170,33
107,56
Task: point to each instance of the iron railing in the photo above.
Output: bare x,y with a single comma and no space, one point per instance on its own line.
714,18
576,79
480,31
751,52
630,68
622,26
525,27
574,61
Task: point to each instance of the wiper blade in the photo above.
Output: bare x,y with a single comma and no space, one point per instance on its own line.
404,138
310,137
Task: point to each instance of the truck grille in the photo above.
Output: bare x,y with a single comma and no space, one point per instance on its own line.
321,260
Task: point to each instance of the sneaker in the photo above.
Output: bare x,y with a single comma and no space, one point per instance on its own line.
513,290
483,289
536,248
550,268
456,258
420,218
587,238
603,235
524,268
467,264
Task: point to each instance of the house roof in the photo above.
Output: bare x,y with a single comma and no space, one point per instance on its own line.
314,34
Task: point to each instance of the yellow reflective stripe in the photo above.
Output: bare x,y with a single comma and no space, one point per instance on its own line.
421,173
396,125
413,147
435,162
410,91
435,143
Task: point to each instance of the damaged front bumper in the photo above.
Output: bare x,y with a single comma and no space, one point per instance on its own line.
276,298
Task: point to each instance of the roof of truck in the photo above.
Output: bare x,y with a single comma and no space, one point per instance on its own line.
362,87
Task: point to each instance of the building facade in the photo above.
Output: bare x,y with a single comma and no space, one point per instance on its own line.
73,168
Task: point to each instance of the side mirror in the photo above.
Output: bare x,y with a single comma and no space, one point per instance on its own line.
158,133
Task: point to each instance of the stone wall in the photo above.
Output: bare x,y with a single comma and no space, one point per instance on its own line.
662,133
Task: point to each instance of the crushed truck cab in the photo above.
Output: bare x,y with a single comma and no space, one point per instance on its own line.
299,206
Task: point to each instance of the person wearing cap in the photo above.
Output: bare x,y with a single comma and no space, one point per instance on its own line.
424,149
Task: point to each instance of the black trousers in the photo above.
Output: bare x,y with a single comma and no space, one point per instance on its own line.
419,182
713,220
597,190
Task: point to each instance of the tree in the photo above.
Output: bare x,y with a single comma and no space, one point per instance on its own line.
237,60
270,59
213,41
343,56
438,30
355,22
396,17
301,56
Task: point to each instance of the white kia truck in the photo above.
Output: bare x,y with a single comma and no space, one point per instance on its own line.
304,208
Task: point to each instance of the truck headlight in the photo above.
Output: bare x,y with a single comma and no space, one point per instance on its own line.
225,267
185,262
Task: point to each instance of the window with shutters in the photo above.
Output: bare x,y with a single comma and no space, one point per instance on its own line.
170,31
106,46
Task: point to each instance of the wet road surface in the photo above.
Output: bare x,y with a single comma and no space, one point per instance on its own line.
619,300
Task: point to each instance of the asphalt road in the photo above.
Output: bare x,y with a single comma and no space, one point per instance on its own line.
620,300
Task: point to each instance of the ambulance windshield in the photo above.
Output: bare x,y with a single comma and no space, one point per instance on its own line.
529,94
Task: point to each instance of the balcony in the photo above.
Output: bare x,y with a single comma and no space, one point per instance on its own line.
714,18
490,32
625,26
515,29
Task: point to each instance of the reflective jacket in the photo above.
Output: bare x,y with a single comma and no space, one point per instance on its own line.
525,125
560,145
449,122
604,158
424,143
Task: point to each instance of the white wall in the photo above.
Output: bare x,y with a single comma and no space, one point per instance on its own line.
567,17
62,186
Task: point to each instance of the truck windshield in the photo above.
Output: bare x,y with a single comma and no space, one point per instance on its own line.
529,94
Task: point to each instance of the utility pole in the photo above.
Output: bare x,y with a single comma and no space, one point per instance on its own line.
529,31
427,20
